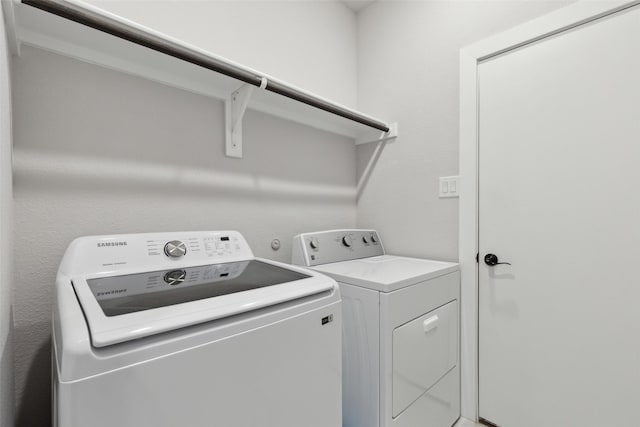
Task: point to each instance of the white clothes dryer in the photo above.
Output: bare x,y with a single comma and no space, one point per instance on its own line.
190,329
401,330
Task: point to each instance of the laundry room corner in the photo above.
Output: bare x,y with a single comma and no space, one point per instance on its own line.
318,213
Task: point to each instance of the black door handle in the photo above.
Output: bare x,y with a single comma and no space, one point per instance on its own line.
491,260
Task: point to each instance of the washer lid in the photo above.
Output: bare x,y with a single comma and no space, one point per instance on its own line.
386,273
125,307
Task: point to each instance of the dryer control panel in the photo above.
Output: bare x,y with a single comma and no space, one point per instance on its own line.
323,247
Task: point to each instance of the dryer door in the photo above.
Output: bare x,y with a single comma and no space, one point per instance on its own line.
424,350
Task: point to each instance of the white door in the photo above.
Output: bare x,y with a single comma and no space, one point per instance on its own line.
559,161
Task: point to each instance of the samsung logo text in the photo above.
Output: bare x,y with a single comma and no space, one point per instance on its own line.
105,244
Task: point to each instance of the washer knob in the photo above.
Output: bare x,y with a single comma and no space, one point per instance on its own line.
347,241
365,240
314,243
374,239
175,249
175,277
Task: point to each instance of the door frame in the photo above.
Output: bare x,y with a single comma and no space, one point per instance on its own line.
567,18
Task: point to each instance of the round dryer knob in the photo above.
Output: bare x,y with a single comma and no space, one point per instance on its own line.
374,239
365,240
175,249
347,241
314,243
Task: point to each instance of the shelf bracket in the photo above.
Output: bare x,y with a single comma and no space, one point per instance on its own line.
379,136
235,106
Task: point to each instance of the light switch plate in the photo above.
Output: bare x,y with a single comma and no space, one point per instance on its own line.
449,186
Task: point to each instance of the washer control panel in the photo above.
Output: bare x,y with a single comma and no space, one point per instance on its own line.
324,247
160,250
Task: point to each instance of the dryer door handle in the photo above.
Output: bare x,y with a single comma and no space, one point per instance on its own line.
431,323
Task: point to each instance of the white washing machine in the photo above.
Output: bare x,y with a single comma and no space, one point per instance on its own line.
189,329
401,330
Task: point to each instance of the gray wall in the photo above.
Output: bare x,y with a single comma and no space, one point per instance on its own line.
408,71
308,43
98,152
6,236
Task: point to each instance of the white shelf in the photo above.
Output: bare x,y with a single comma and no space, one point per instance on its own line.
45,30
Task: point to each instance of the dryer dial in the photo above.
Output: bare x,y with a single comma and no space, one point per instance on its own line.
347,241
314,243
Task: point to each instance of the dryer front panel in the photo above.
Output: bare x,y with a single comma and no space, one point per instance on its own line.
424,350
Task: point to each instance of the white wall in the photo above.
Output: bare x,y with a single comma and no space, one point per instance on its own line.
308,43
408,71
6,235
98,151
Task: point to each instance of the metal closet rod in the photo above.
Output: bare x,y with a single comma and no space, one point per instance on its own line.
94,20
